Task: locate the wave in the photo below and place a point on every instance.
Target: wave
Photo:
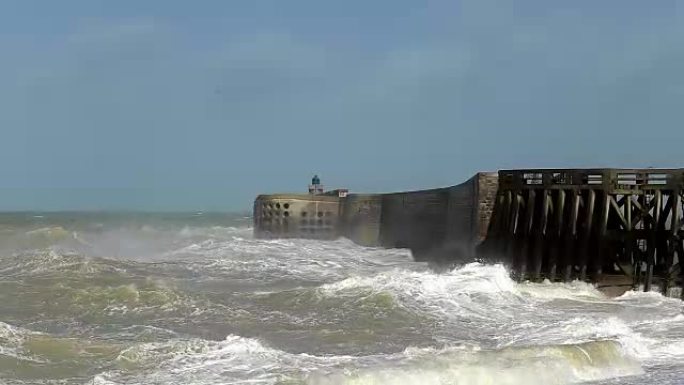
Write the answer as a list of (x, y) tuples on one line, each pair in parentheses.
[(214, 252), (72, 287), (15, 240), (202, 362), (556, 364), (291, 259), (29, 354), (471, 279), (475, 290), (326, 298), (51, 262), (481, 303), (11, 340), (105, 301), (133, 241), (238, 359)]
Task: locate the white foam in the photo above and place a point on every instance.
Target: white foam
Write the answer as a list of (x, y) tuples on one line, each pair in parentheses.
[(195, 361), (473, 278), (12, 339), (559, 364), (244, 360), (575, 290)]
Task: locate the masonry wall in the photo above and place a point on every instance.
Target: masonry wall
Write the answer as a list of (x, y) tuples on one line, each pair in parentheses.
[(487, 188), (444, 224), (461, 215), (415, 220), (360, 218), (296, 216)]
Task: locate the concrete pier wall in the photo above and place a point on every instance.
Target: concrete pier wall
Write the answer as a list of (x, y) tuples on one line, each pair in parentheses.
[(296, 216), (469, 211), (415, 220), (360, 218), (437, 224)]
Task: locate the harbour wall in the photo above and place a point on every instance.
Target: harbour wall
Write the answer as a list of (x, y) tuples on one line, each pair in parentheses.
[(436, 224), (296, 216)]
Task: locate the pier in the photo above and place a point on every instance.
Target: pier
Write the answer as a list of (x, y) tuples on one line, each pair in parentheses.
[(588, 224), (610, 226)]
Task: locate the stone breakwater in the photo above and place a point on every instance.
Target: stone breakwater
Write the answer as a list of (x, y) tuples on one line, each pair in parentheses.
[(437, 224)]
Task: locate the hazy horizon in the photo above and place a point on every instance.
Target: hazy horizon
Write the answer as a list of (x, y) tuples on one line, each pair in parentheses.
[(169, 106)]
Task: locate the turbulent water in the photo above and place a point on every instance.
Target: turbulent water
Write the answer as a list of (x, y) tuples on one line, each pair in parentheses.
[(194, 299)]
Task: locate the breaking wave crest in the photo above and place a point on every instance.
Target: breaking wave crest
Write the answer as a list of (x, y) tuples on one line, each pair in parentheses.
[(37, 355), (555, 364), (131, 241), (239, 359), (475, 290), (471, 279)]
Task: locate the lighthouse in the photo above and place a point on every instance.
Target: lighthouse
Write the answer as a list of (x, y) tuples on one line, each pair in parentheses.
[(315, 187)]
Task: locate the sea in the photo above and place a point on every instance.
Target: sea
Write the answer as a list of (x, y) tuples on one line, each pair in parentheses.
[(194, 298)]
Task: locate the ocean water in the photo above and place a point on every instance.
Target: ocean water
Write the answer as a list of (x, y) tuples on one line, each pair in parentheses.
[(194, 299)]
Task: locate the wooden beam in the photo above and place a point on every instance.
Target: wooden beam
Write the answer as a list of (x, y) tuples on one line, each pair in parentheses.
[(586, 233), (540, 231), (527, 230), (554, 249), (513, 226), (571, 236), (657, 208), (603, 227), (618, 210), (628, 213)]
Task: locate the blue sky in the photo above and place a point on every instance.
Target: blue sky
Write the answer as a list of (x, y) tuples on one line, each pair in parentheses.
[(179, 105)]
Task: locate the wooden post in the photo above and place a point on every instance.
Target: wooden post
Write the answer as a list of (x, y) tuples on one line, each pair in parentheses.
[(673, 239), (637, 258), (527, 229), (540, 231), (571, 236), (627, 234), (586, 233), (505, 220), (650, 255), (628, 212), (513, 229), (498, 222), (601, 241), (554, 250)]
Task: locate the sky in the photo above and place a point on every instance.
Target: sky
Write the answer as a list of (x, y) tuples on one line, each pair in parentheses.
[(165, 105)]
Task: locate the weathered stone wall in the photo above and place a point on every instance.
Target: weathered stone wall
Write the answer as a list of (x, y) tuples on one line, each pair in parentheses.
[(415, 220), (460, 220), (360, 218), (296, 216), (487, 188)]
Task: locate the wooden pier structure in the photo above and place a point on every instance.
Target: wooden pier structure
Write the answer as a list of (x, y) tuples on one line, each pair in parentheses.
[(590, 224)]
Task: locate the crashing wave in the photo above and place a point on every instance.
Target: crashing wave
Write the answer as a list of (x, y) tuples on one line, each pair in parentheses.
[(32, 347), (239, 359), (555, 364)]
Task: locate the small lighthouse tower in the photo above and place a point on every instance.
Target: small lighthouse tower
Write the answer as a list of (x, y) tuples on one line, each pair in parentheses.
[(315, 187)]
